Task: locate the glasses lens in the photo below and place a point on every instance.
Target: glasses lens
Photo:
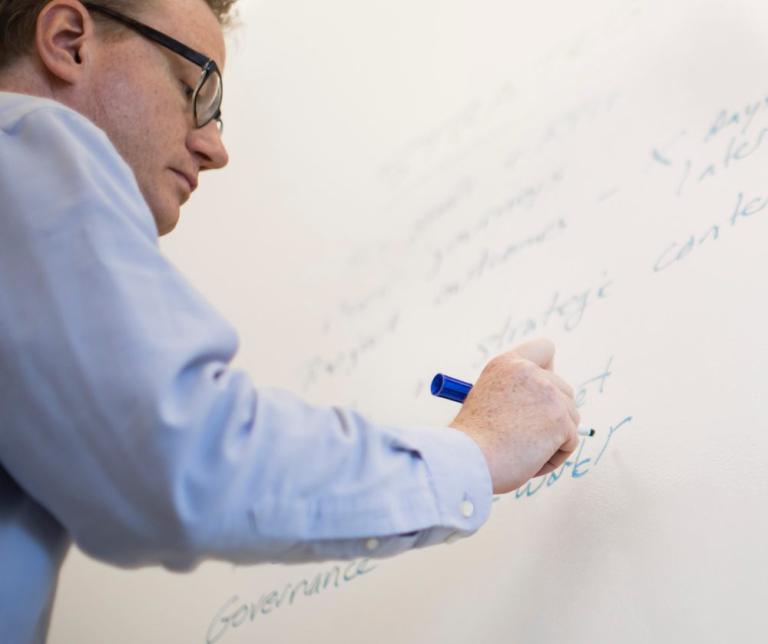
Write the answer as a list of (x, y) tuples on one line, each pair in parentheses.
[(208, 100)]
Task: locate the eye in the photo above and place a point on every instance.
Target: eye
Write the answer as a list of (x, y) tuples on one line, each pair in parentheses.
[(187, 90)]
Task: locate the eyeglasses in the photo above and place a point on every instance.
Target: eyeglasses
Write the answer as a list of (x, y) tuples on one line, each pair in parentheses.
[(207, 96)]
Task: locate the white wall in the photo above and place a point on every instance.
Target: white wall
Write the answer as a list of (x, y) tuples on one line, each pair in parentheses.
[(416, 186)]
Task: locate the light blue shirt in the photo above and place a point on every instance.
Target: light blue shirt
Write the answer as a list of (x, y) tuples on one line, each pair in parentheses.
[(123, 428)]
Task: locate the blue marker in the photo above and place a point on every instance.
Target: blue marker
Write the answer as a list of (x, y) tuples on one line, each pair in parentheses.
[(457, 390), (450, 388)]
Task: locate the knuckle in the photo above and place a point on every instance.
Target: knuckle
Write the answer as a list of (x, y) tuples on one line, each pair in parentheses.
[(513, 366), (497, 363), (524, 369), (563, 420), (559, 417), (550, 393), (552, 415)]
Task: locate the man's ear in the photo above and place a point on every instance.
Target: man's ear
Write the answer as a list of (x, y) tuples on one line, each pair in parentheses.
[(64, 34)]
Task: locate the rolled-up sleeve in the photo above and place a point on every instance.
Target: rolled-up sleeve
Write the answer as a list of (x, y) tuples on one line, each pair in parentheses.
[(121, 414)]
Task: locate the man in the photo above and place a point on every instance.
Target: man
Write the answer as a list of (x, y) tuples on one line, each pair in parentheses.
[(122, 427)]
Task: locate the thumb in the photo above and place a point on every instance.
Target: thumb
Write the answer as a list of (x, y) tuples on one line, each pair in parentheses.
[(540, 351)]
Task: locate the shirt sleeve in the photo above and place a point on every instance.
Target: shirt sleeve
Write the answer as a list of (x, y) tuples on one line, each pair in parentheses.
[(121, 415)]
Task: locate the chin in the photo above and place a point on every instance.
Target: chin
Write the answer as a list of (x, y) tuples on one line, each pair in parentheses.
[(166, 217), (165, 210), (166, 225)]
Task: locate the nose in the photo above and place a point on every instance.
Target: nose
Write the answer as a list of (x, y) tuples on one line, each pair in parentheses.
[(206, 145)]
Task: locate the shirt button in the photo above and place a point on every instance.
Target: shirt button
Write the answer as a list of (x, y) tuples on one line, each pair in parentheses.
[(467, 509), (371, 544)]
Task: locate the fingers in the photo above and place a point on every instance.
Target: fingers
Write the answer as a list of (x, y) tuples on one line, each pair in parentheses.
[(522, 401), (559, 457), (561, 384), (567, 392), (570, 444), (573, 412), (568, 447), (540, 352)]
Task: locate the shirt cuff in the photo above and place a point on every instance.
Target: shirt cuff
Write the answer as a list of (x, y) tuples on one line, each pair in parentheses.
[(461, 485), (457, 472), (446, 489)]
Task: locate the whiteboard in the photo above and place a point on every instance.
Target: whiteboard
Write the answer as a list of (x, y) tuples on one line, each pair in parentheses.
[(418, 186)]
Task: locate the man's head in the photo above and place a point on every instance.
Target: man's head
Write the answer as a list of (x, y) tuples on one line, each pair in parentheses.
[(136, 90)]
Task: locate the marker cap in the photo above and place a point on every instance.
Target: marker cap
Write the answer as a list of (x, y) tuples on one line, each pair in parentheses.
[(450, 388)]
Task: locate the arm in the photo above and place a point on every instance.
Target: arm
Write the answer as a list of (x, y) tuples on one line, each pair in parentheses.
[(122, 417)]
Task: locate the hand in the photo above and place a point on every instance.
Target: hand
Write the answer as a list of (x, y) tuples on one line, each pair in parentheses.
[(522, 415)]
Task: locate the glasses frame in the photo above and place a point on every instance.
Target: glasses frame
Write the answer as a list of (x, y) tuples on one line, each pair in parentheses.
[(207, 64)]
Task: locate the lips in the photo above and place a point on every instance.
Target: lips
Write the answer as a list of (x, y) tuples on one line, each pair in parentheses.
[(191, 179)]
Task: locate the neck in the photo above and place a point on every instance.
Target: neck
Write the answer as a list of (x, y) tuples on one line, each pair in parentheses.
[(23, 77)]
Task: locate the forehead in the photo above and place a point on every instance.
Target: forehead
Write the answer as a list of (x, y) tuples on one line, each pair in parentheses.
[(189, 21)]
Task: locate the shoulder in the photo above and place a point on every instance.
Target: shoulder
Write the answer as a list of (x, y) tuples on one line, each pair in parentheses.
[(30, 118), (48, 150)]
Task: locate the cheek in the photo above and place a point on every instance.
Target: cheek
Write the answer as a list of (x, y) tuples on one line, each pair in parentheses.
[(144, 110), (147, 128), (145, 119)]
